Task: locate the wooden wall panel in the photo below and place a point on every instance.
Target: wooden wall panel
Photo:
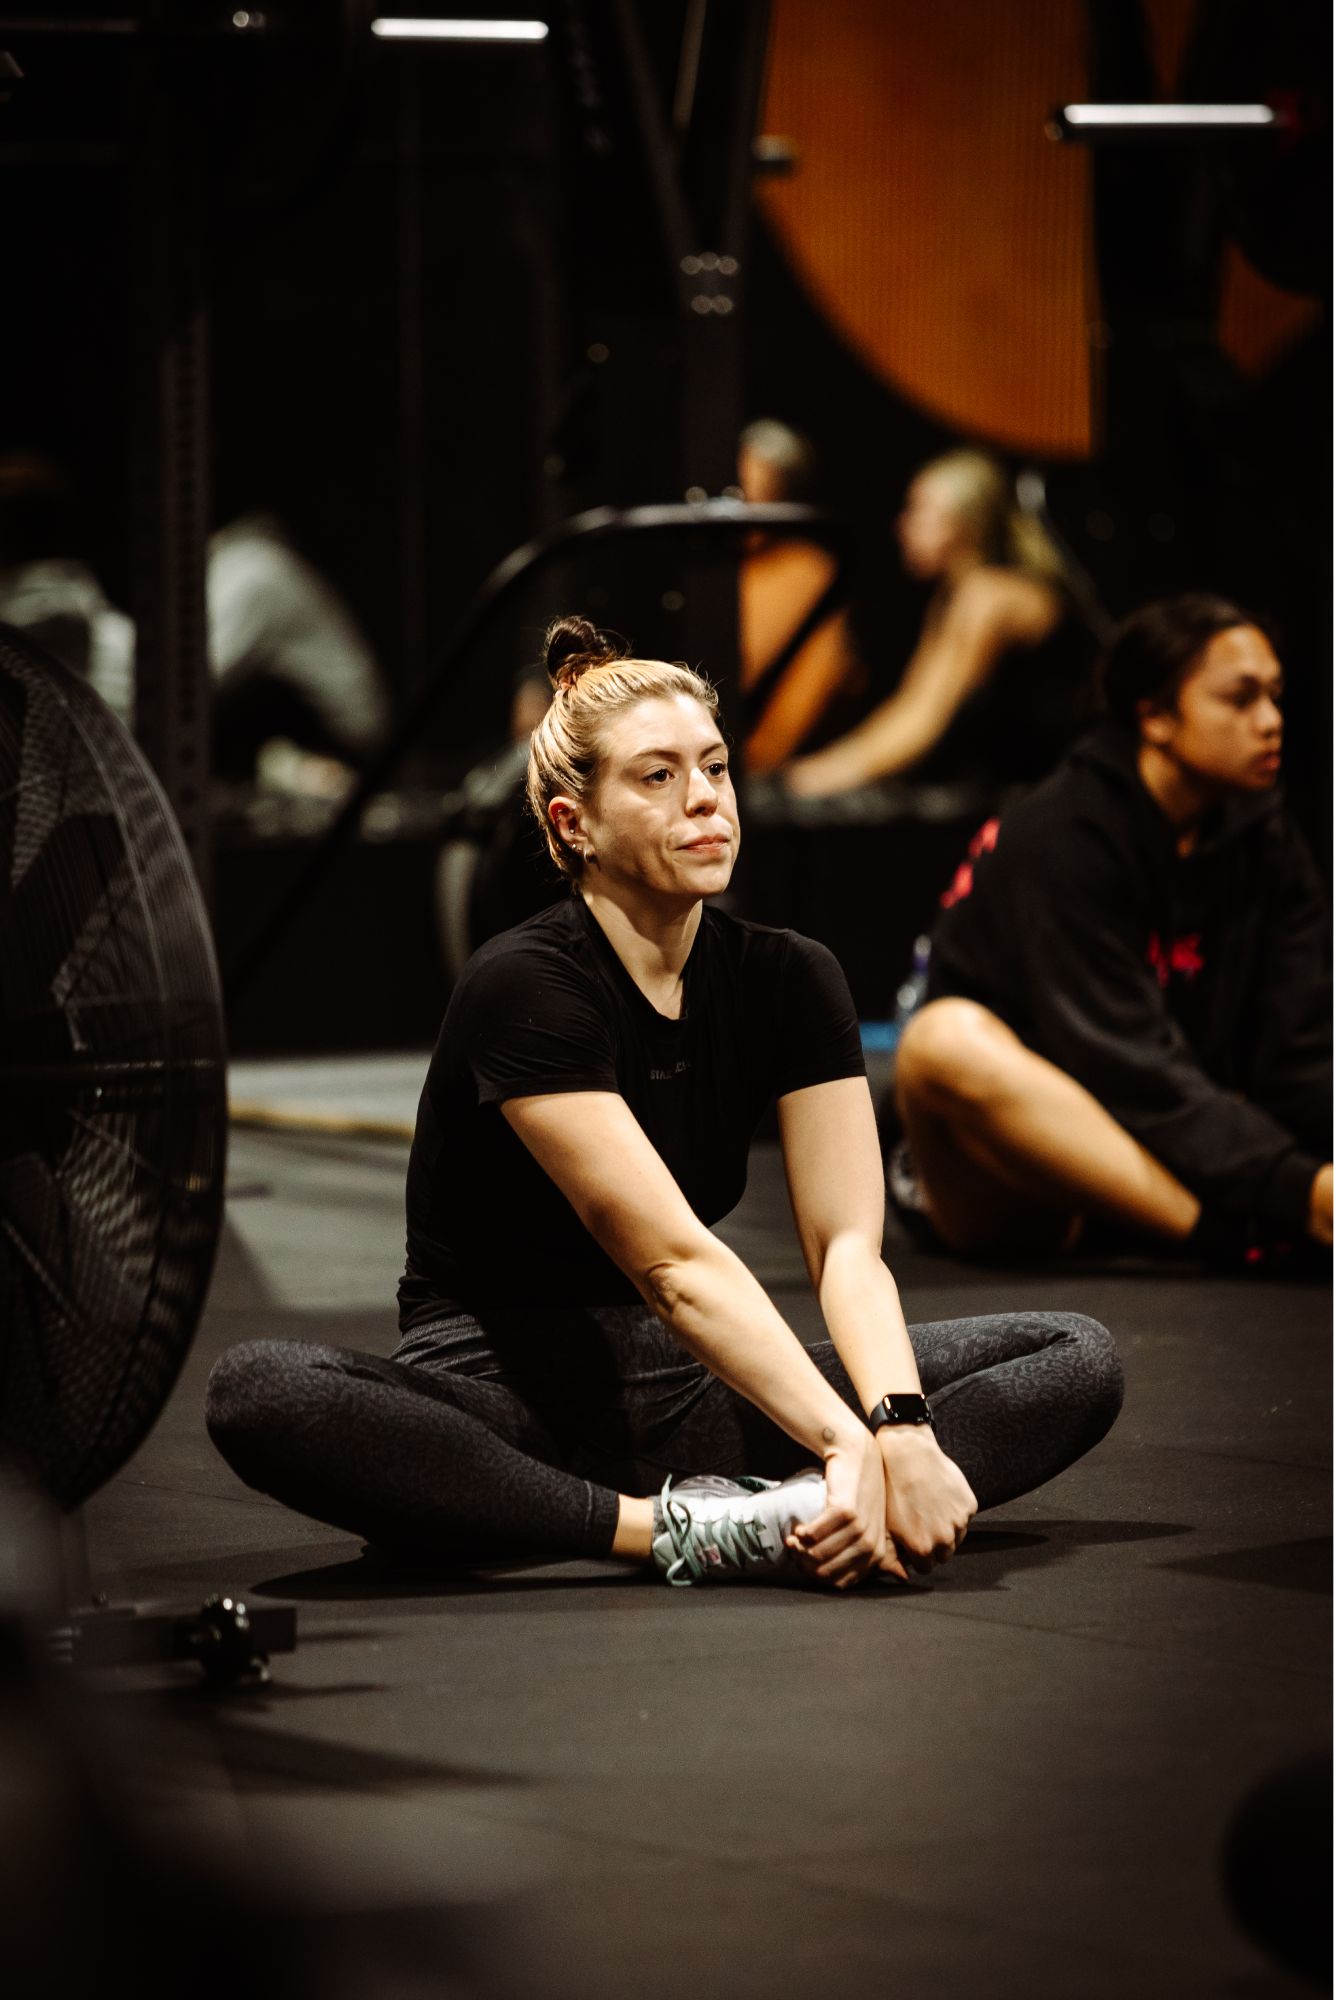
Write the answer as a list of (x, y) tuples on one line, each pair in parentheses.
[(941, 231)]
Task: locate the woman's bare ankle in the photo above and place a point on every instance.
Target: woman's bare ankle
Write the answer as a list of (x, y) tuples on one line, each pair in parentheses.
[(633, 1539)]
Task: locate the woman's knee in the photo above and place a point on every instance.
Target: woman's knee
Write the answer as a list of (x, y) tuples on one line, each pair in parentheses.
[(250, 1389), (954, 1050), (1099, 1368)]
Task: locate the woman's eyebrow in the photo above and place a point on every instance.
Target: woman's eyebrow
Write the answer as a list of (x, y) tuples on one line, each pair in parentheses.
[(667, 756)]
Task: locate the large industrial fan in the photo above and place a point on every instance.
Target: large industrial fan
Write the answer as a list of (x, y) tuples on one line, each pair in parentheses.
[(112, 1115)]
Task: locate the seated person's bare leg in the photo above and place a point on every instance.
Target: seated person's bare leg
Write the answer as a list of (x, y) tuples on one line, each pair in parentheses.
[(633, 1539), (1013, 1153)]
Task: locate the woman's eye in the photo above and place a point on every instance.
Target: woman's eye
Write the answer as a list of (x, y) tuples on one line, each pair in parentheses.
[(716, 770), (654, 776)]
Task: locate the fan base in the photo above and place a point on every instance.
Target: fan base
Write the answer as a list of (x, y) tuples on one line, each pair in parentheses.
[(229, 1642)]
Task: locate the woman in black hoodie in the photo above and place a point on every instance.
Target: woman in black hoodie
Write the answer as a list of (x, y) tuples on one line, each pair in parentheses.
[(1129, 1001)]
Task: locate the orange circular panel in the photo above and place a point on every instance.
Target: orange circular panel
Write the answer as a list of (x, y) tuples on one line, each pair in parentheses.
[(940, 229)]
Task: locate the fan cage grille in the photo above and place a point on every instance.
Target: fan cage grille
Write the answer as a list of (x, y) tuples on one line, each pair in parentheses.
[(112, 1084)]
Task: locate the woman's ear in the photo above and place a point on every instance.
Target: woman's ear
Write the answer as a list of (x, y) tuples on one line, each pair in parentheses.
[(1155, 724), (564, 815)]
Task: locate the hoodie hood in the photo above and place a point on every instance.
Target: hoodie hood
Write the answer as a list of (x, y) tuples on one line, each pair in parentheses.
[(1111, 749)]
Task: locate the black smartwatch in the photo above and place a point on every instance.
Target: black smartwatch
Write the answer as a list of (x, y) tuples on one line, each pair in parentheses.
[(912, 1409)]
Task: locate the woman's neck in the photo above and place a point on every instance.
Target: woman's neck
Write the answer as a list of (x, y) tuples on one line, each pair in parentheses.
[(961, 564), (652, 942)]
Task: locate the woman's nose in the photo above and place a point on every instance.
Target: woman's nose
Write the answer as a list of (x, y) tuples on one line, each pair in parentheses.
[(701, 795)]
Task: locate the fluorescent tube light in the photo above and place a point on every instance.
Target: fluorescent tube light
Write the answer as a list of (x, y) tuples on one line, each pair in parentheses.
[(1090, 116), (395, 30)]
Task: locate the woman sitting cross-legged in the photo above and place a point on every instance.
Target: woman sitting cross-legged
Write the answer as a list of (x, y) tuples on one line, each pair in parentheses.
[(585, 1369)]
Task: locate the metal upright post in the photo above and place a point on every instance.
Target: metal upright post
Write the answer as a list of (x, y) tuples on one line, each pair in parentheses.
[(697, 167), (169, 470), (411, 327), (717, 120)]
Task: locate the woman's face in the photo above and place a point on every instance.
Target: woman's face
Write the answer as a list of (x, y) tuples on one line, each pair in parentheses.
[(1226, 727), (930, 528), (662, 815)]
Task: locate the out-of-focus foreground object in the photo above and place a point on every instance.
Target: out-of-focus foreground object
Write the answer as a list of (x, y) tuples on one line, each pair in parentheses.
[(113, 1136)]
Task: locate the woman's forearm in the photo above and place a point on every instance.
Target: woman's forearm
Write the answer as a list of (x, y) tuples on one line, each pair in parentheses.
[(718, 1311), (928, 1502), (950, 663), (897, 736), (860, 1303)]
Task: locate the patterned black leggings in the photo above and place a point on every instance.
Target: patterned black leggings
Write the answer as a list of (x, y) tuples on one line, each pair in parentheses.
[(477, 1443)]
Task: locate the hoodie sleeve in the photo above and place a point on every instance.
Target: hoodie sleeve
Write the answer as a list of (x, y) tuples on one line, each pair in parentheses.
[(1290, 1067), (1098, 1012)]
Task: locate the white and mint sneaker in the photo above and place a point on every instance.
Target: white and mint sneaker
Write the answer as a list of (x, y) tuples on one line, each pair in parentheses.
[(713, 1530)]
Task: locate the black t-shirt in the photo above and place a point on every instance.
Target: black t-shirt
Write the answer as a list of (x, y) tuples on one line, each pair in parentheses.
[(548, 1007)]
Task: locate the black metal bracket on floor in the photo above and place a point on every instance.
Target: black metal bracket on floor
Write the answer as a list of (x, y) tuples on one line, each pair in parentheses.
[(229, 1642)]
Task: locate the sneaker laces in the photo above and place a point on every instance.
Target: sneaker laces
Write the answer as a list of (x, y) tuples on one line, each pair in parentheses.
[(732, 1544)]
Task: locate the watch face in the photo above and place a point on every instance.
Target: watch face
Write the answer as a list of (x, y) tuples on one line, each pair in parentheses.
[(909, 1408)]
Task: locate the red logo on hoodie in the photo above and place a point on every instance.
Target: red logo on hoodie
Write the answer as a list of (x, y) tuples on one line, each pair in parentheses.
[(1183, 957), (981, 843)]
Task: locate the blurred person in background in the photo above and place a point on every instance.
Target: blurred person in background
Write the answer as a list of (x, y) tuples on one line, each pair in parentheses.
[(299, 698), (298, 693), (781, 581), (1128, 1008), (999, 680), (48, 591)]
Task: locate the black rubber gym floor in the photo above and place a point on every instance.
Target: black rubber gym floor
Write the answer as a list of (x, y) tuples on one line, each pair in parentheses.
[(1013, 1782)]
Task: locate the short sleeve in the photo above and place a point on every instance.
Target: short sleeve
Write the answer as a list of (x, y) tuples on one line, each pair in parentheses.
[(819, 1040), (535, 1025)]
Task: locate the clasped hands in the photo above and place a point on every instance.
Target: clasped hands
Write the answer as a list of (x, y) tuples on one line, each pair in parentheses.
[(896, 1504)]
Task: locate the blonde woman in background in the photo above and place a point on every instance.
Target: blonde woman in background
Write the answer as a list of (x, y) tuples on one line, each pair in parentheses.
[(996, 682)]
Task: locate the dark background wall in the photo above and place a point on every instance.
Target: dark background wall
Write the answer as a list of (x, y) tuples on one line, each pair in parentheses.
[(400, 357), (1150, 327)]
